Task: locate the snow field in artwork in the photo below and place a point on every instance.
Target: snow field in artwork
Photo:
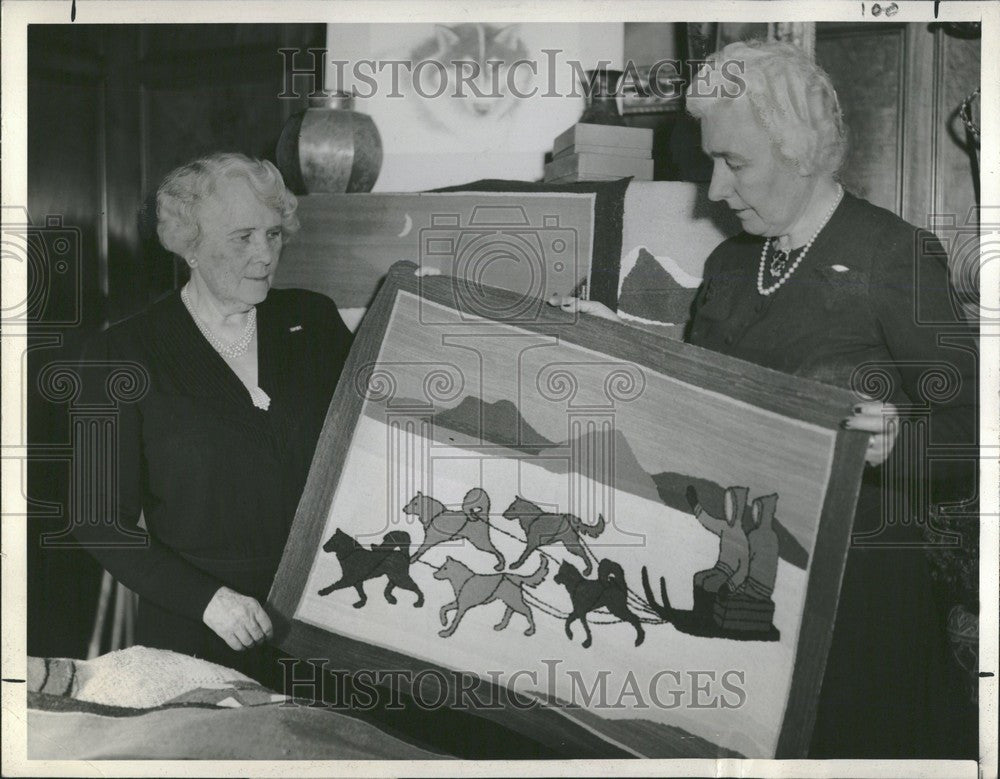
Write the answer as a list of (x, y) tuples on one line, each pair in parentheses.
[(640, 533)]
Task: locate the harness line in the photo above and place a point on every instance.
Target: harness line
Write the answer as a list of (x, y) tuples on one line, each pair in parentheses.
[(635, 600)]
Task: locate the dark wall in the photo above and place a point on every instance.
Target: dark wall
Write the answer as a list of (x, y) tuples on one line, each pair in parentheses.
[(900, 86), (111, 109)]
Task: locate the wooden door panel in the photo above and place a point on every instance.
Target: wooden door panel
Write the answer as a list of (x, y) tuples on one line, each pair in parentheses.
[(866, 67)]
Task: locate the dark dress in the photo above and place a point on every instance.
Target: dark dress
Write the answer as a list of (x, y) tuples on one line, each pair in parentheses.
[(872, 291), (217, 479)]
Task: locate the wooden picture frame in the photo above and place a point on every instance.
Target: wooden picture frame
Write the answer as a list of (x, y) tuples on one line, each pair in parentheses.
[(350, 241), (764, 397)]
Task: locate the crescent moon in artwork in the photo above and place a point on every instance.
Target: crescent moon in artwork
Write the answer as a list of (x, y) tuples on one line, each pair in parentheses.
[(407, 226)]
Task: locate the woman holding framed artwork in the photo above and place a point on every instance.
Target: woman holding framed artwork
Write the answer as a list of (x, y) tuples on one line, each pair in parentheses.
[(825, 285), (215, 454)]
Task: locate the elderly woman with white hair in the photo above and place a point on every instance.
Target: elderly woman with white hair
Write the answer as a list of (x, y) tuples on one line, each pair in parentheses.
[(215, 454), (825, 285)]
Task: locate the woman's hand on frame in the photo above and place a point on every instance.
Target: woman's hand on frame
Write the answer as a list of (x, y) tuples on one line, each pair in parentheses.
[(568, 304), (882, 421), (592, 307), (239, 620)]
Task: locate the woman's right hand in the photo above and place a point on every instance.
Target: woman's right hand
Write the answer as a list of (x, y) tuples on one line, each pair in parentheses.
[(239, 620), (592, 307)]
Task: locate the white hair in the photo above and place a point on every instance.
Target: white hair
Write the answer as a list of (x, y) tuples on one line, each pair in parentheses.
[(791, 97), (187, 187)]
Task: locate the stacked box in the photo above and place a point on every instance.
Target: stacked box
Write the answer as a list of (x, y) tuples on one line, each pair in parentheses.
[(598, 152), (741, 612)]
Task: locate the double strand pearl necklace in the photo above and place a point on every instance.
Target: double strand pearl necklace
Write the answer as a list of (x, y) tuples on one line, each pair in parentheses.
[(798, 260), (232, 349)]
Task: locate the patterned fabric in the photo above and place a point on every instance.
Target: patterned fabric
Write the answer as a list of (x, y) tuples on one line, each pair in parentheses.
[(137, 677), (142, 703), (67, 729)]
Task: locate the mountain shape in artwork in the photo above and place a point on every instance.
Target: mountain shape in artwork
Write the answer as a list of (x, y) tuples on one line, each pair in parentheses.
[(657, 293), (672, 486), (497, 423), (501, 424), (591, 453)]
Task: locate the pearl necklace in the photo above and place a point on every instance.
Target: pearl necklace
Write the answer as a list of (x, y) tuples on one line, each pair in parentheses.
[(233, 349), (798, 260)]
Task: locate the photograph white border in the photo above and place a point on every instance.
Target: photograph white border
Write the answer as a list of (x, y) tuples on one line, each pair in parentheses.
[(17, 14)]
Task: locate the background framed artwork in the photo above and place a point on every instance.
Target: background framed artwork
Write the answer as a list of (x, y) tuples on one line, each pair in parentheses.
[(534, 239), (456, 427), (432, 138), (638, 247)]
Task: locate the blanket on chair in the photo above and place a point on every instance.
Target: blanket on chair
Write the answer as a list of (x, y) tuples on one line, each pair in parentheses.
[(142, 703)]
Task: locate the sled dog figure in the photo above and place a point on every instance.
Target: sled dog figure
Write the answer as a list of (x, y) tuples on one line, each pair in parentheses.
[(358, 565), (542, 529), (441, 524), (477, 589), (607, 591)]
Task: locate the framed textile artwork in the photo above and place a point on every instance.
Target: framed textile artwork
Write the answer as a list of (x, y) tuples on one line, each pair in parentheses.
[(530, 238), (669, 230), (634, 545)]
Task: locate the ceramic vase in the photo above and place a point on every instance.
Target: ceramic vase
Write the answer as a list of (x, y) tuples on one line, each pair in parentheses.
[(330, 147)]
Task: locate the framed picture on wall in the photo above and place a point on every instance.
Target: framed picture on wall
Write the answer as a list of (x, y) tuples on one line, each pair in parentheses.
[(635, 545), (437, 130)]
